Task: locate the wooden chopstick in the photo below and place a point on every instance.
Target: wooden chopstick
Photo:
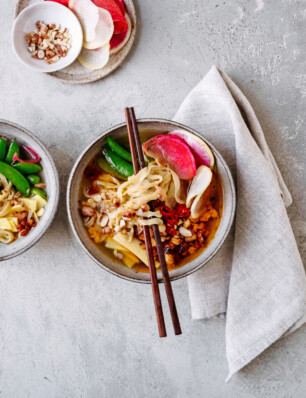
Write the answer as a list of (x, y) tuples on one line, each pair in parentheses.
[(149, 249), (132, 122)]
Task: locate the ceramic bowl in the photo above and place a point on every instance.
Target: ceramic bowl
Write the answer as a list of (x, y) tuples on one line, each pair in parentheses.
[(48, 175), (48, 12), (73, 197)]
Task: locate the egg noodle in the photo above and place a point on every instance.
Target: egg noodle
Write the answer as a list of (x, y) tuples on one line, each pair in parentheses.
[(11, 204), (120, 204)]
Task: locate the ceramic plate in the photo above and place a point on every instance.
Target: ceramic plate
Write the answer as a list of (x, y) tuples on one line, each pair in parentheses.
[(76, 73)]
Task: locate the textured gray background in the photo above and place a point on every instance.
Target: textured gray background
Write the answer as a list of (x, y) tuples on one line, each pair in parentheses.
[(69, 329)]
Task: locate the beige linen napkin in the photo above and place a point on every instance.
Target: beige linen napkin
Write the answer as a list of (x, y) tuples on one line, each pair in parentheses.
[(257, 277)]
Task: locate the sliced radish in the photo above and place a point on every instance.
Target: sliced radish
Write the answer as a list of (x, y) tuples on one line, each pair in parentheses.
[(201, 151), (103, 32), (118, 41), (173, 151), (94, 59), (121, 6), (88, 15), (114, 9), (197, 188)]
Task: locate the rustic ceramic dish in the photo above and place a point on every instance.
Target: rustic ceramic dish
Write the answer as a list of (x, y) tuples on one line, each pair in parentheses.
[(48, 175), (73, 197), (46, 11), (76, 73)]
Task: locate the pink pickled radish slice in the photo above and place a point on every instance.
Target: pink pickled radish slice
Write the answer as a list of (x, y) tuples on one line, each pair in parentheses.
[(94, 59), (174, 152), (118, 41), (103, 32)]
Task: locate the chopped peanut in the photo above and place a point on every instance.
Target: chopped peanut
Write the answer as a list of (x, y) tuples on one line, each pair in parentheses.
[(47, 43), (187, 223), (209, 213), (169, 259), (175, 240), (191, 250)]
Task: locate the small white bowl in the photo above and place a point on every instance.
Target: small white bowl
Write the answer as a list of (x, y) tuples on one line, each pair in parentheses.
[(48, 175), (49, 12)]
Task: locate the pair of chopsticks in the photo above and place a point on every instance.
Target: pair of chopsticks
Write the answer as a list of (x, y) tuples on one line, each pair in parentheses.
[(137, 155)]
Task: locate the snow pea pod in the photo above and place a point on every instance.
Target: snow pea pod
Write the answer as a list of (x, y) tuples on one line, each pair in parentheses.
[(34, 179), (28, 168), (13, 148), (17, 179), (39, 192), (2, 148), (121, 166), (104, 165), (119, 150)]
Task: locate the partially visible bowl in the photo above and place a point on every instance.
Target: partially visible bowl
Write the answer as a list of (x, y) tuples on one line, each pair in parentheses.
[(48, 175), (49, 12), (73, 197)]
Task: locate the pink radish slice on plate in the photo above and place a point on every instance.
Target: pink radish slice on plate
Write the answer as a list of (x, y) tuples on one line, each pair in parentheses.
[(201, 151), (118, 41), (174, 152), (121, 6), (103, 32), (88, 15), (120, 23), (94, 59)]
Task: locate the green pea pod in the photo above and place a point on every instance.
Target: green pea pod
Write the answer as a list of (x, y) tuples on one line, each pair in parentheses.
[(123, 153), (39, 192), (2, 148), (121, 166), (104, 165), (28, 168), (13, 148), (17, 179), (34, 179)]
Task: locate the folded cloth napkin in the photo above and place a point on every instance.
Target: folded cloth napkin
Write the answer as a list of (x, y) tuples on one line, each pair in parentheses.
[(257, 277)]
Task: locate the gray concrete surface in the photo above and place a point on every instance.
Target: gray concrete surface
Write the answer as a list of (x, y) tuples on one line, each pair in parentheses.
[(69, 329)]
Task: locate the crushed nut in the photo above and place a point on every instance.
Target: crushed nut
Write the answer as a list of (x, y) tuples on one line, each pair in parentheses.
[(175, 240), (40, 185), (187, 223), (49, 42), (41, 54), (169, 259), (190, 238), (50, 54), (185, 232), (104, 221), (88, 211), (145, 207), (106, 231)]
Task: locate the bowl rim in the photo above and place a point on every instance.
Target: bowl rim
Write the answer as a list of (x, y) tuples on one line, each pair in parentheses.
[(175, 124), (48, 156), (38, 5)]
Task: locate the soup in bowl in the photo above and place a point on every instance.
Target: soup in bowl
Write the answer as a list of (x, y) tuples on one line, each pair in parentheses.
[(186, 189)]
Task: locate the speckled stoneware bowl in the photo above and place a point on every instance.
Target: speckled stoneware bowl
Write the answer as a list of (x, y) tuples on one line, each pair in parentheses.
[(48, 175), (73, 197)]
